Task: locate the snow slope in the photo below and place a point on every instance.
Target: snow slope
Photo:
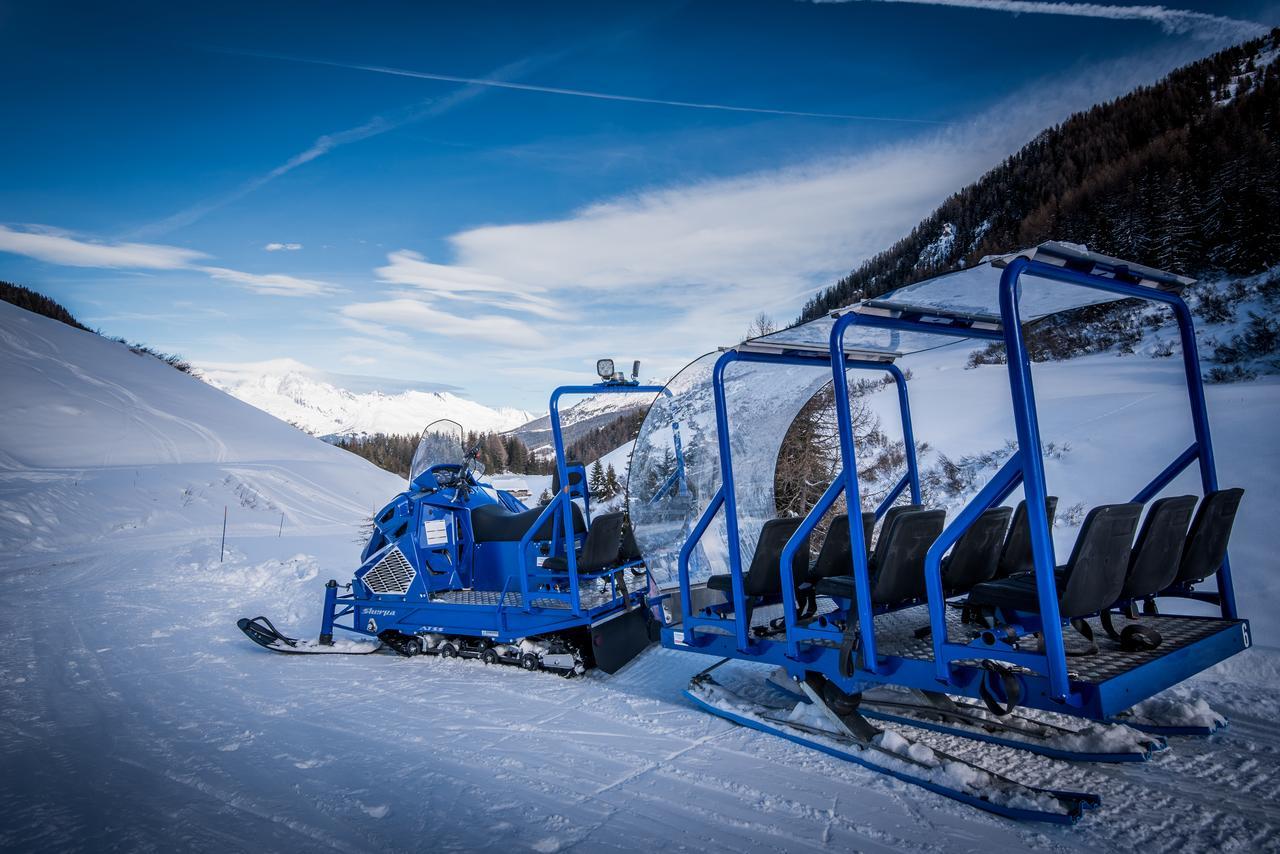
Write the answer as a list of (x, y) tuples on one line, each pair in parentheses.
[(294, 393), (133, 715)]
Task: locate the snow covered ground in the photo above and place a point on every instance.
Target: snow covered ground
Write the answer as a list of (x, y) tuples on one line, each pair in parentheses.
[(133, 714)]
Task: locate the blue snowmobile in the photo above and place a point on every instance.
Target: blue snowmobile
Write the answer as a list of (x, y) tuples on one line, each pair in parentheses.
[(457, 568)]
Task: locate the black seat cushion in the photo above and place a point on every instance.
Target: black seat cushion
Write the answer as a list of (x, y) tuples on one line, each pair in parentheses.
[(897, 566), (493, 523), (1090, 581), (840, 586), (1017, 593), (976, 555), (1158, 549), (1016, 555), (836, 555), (1206, 546), (600, 551), (763, 579)]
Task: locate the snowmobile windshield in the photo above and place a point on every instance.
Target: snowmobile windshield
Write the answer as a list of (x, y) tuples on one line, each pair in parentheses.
[(440, 444)]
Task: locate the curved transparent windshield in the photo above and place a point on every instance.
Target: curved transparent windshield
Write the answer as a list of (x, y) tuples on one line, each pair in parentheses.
[(441, 443)]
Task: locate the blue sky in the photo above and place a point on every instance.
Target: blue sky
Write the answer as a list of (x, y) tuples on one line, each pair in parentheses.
[(245, 184)]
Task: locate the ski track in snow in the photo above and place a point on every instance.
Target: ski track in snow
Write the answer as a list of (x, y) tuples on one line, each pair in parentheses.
[(134, 715)]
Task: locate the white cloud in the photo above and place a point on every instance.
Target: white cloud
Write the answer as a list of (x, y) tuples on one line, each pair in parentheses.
[(60, 247), (282, 247), (271, 284), (57, 247), (1178, 21), (456, 282), (425, 318)]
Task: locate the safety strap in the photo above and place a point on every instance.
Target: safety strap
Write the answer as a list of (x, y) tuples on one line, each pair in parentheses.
[(849, 647), (1133, 638), (1009, 685), (1087, 631)]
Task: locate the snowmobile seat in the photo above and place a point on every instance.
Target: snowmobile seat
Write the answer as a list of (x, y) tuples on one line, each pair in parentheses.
[(868, 529), (1206, 546), (976, 555), (763, 579), (600, 551), (1089, 582), (493, 523), (1016, 558), (1158, 549), (897, 563)]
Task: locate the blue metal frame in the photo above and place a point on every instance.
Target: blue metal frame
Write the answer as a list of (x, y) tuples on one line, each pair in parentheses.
[(1026, 467), (1047, 685), (725, 496), (563, 499)]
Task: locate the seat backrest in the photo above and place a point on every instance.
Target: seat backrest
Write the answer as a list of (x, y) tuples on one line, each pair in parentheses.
[(1154, 562), (764, 576), (630, 549), (890, 516), (976, 555), (1206, 546), (868, 529), (836, 556), (897, 570), (1100, 560), (575, 470), (1016, 555), (603, 539)]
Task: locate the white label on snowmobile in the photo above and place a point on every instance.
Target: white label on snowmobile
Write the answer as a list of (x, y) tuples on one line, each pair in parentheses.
[(372, 626), (435, 531), (488, 633)]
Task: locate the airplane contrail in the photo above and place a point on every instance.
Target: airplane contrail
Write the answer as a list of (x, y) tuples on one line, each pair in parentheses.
[(587, 93)]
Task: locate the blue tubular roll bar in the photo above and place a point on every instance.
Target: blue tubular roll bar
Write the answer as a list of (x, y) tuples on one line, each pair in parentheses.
[(725, 497), (566, 504), (1026, 467)]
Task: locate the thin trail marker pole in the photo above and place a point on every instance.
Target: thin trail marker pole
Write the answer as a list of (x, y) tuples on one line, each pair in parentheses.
[(223, 555), (281, 534)]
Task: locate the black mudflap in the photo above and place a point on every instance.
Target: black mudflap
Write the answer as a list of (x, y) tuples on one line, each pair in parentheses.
[(620, 639)]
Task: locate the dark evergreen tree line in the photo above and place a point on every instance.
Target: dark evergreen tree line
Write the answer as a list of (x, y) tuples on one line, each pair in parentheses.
[(1183, 175)]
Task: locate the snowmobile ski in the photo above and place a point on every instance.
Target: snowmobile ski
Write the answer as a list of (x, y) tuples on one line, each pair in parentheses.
[(847, 735), (261, 631), (943, 714)]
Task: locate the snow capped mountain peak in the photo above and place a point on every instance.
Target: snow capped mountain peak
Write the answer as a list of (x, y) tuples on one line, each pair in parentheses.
[(323, 404)]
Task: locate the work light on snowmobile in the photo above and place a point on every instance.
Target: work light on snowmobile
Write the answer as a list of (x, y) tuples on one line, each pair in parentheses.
[(604, 367)]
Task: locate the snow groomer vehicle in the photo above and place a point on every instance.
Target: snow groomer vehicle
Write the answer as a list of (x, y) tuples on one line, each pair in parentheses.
[(904, 619), (456, 568)]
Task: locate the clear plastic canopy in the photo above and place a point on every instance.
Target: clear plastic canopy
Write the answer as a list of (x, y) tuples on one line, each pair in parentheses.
[(763, 400)]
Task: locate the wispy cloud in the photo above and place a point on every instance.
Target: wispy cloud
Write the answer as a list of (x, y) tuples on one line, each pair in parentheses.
[(493, 82), (673, 271), (1179, 21), (282, 247), (426, 318), (460, 283), (61, 247), (271, 284)]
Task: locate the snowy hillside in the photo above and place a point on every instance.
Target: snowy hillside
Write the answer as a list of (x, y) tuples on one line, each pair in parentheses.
[(577, 419), (133, 714), (292, 392)]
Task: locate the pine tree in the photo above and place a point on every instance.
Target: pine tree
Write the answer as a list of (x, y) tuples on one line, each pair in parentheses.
[(611, 482), (596, 483)]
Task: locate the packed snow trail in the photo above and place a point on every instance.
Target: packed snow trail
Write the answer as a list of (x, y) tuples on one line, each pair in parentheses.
[(134, 714)]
